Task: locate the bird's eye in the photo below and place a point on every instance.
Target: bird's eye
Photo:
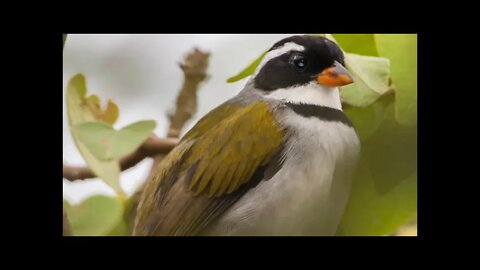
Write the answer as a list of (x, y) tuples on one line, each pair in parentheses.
[(298, 61)]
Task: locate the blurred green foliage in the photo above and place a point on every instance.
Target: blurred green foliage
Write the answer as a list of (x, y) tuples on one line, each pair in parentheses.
[(363, 44), (384, 193), (97, 215), (402, 52), (382, 105)]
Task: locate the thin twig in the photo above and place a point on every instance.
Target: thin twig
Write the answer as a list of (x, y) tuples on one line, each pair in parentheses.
[(194, 70), (151, 147)]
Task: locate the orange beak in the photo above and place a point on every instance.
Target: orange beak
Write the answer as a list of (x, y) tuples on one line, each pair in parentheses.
[(335, 76)]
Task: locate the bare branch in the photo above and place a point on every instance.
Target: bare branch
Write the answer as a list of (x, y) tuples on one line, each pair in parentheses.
[(151, 147), (194, 69)]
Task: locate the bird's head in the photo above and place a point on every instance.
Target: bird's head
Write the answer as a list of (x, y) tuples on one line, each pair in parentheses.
[(303, 69)]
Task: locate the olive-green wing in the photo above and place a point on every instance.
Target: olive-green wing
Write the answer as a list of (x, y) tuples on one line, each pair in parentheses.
[(216, 162)]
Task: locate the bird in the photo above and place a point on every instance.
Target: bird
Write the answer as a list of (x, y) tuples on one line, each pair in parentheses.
[(277, 159)]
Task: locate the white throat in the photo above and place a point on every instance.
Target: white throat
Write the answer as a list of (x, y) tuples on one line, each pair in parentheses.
[(312, 93)]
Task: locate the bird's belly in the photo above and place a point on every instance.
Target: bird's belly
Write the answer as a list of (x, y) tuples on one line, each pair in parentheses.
[(307, 196), (287, 204)]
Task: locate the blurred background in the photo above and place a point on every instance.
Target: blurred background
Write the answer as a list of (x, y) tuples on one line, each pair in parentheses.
[(141, 74)]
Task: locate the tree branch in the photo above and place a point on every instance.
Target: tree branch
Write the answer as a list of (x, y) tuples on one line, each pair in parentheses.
[(151, 147), (194, 70)]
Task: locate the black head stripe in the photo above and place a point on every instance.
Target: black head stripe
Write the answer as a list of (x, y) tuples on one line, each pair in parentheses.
[(279, 72)]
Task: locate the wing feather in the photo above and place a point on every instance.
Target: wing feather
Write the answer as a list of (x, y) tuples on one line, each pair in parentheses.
[(215, 163)]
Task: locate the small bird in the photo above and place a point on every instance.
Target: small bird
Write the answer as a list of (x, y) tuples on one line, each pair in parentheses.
[(277, 159)]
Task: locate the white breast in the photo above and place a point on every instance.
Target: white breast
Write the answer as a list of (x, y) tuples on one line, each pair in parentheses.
[(307, 196)]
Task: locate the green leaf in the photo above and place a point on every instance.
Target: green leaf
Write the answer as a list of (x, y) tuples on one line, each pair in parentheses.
[(121, 229), (78, 113), (107, 143), (367, 120), (384, 191), (96, 216), (248, 70), (392, 154), (363, 44), (371, 79), (401, 49), (368, 213)]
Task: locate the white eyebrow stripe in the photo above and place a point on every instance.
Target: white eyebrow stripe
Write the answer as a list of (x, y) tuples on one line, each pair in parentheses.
[(287, 47)]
